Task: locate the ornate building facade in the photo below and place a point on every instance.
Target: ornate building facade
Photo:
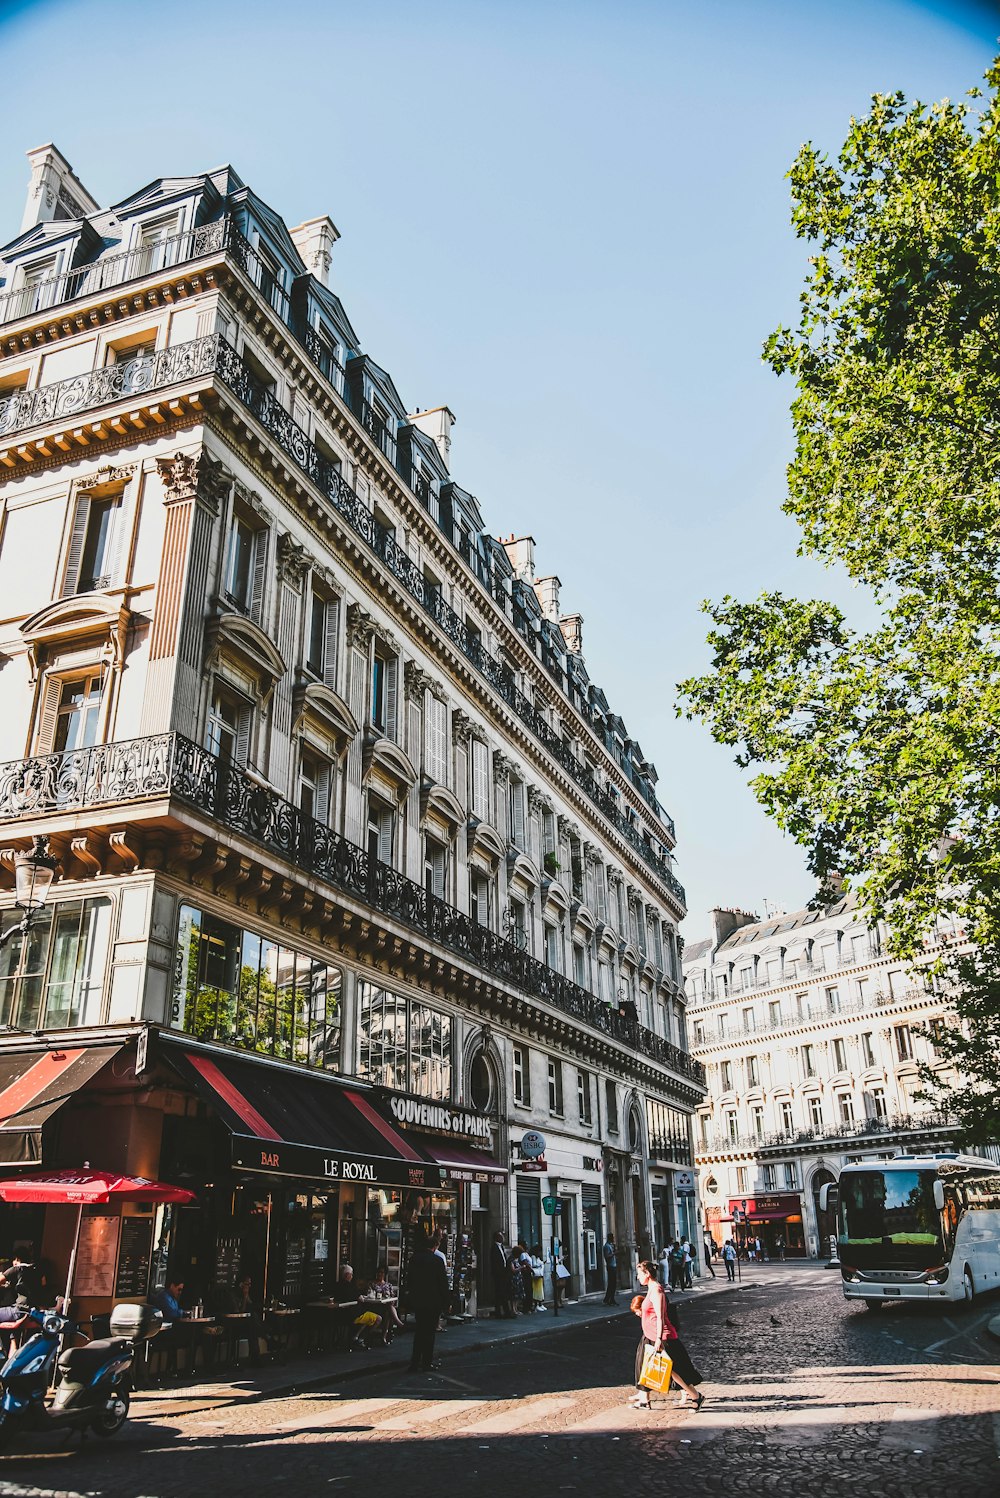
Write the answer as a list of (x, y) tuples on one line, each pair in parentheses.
[(811, 1038), (361, 877)]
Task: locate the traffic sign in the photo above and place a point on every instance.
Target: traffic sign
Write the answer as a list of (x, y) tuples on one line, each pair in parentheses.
[(551, 1205)]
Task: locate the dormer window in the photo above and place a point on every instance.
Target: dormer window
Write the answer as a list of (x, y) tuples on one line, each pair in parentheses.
[(38, 286), (157, 244)]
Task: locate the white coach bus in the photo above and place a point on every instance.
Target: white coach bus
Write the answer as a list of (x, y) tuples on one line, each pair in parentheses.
[(917, 1227)]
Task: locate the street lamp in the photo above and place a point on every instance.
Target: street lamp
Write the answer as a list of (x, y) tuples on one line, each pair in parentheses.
[(33, 876)]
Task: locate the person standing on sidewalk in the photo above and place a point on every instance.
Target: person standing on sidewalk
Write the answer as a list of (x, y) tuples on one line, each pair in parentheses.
[(427, 1295), (708, 1258), (501, 1278), (729, 1259), (611, 1270)]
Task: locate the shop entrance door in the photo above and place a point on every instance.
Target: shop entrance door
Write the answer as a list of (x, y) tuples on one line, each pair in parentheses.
[(529, 1214), (593, 1239)]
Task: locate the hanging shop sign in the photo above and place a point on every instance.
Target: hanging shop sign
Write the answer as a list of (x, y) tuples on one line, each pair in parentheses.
[(332, 1166), (532, 1144), (440, 1118), (540, 1165), (684, 1183)]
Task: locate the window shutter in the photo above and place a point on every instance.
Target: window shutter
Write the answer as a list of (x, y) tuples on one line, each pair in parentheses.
[(391, 675), (243, 737), (78, 536), (259, 576), (437, 734), (330, 642), (480, 779), (48, 715), (385, 837), (517, 814), (322, 812), (116, 543)]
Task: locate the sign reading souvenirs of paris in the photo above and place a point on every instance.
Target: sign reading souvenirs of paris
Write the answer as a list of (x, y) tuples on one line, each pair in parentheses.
[(440, 1118)]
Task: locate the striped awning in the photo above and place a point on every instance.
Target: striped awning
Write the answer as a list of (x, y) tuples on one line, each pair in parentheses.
[(33, 1085)]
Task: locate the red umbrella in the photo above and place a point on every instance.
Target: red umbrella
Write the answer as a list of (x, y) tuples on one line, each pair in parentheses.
[(83, 1187)]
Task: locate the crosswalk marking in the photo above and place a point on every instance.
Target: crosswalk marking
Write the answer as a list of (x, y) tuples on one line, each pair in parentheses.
[(508, 1420), (341, 1412), (431, 1412)]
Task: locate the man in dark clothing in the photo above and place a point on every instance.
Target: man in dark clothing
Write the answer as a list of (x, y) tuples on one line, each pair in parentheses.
[(25, 1279), (427, 1295), (502, 1303), (611, 1270)]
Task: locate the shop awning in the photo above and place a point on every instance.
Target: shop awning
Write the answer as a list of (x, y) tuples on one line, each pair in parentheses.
[(33, 1085), (291, 1124), (461, 1164)]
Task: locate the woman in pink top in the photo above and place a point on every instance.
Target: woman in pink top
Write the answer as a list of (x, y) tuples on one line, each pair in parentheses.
[(657, 1333)]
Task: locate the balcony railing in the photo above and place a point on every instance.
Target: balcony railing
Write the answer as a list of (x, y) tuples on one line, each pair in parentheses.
[(869, 1128), (169, 765)]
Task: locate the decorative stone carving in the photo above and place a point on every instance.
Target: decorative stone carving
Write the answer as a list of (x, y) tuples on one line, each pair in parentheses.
[(415, 682), (537, 799), (186, 475), (293, 560), (501, 768), (251, 501), (214, 480), (360, 626), (461, 727), (108, 478)]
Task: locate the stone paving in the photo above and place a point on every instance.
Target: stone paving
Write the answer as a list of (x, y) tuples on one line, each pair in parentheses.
[(805, 1395)]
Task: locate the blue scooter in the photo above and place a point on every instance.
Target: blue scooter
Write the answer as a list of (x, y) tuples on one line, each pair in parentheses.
[(93, 1383)]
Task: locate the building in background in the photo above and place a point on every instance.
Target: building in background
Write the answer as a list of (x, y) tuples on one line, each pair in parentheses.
[(811, 1038), (361, 877)]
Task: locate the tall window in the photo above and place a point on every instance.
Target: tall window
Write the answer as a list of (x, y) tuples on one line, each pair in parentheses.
[(235, 986), (78, 715), (96, 543), (832, 1000), (227, 732), (584, 1098), (753, 1072), (867, 1049), (555, 1087), (480, 902), (839, 1054), (611, 1103), (436, 739), (480, 775), (522, 1076), (846, 1105), (38, 286), (757, 1120), (726, 1070), (314, 787), (742, 1178), (815, 1113), (383, 700), (749, 1023), (245, 561), (516, 814), (786, 1118), (768, 1177), (774, 1012), (381, 826), (808, 1059), (732, 1125), (790, 1181), (435, 867), (157, 244), (904, 1042), (876, 1103), (580, 974), (321, 643), (403, 1043), (54, 977), (553, 947)]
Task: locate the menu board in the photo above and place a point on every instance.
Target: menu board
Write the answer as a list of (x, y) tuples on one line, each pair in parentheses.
[(96, 1255), (228, 1258), (133, 1256)]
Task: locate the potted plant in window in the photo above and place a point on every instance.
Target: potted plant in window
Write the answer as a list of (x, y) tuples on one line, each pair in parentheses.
[(550, 864)]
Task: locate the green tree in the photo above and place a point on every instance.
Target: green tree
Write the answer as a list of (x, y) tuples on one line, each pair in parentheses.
[(876, 747)]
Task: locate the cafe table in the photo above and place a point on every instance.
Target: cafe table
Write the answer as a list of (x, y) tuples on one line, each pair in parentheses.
[(327, 1321), (280, 1323)]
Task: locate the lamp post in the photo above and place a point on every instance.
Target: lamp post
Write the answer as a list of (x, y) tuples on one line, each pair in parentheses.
[(33, 875)]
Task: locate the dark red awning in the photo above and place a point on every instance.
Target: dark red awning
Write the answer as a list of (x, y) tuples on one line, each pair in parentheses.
[(33, 1085)]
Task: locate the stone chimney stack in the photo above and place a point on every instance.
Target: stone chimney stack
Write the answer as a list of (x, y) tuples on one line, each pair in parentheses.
[(725, 922), (547, 593), (55, 191), (314, 241), (521, 555), (572, 632), (436, 424)]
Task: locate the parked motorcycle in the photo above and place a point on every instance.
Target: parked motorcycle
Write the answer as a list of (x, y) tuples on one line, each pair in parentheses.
[(93, 1383)]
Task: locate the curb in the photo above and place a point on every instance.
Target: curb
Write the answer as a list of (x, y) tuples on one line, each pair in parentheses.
[(210, 1401)]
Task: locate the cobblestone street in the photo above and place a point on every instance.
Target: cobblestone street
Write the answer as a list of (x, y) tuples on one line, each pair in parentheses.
[(804, 1395)]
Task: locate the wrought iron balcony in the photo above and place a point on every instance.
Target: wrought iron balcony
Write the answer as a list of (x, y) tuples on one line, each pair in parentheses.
[(171, 766), (869, 1128)]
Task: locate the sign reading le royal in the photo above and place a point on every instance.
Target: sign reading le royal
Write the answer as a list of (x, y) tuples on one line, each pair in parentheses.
[(440, 1118)]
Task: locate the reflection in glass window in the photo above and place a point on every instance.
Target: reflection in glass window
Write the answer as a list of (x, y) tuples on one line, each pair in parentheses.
[(244, 989), (56, 981), (404, 1044)]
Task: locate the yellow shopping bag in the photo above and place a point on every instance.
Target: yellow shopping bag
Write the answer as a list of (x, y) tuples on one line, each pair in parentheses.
[(656, 1370)]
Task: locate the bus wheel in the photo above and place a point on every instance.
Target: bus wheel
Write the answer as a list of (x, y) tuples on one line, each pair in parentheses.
[(968, 1287)]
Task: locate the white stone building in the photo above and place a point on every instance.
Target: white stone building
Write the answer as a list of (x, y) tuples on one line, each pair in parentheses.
[(330, 789), (811, 1038)]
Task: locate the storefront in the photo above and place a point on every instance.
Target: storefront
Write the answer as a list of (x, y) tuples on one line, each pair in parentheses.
[(776, 1219)]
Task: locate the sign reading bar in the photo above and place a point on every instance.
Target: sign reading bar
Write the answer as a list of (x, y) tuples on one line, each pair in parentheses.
[(440, 1118), (275, 1157)]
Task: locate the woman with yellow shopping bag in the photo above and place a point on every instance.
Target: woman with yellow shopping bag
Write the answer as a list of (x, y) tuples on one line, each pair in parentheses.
[(654, 1370)]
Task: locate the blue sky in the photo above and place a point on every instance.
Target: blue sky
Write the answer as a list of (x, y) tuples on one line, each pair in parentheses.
[(569, 222)]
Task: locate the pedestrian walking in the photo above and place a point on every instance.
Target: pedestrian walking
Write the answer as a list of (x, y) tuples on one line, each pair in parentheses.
[(688, 1252), (611, 1270), (779, 1248), (729, 1259), (524, 1265), (708, 1258), (516, 1281), (676, 1265), (500, 1275), (658, 1334), (538, 1279), (427, 1295)]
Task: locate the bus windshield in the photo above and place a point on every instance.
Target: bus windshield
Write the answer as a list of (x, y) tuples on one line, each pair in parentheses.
[(888, 1217)]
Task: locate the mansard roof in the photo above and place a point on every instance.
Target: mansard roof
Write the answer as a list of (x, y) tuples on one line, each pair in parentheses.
[(245, 197)]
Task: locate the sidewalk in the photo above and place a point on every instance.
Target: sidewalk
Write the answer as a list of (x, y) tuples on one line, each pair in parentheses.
[(241, 1386)]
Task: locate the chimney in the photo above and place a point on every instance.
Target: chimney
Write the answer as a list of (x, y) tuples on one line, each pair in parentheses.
[(547, 593), (436, 424), (314, 241), (521, 555), (725, 922), (572, 632), (55, 191)]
